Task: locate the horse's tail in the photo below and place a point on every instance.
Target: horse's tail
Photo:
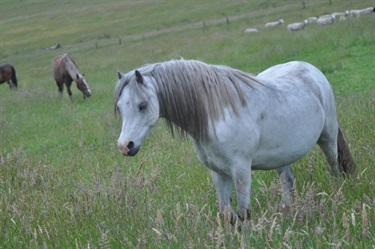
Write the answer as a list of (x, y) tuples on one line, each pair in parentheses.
[(345, 159), (13, 77)]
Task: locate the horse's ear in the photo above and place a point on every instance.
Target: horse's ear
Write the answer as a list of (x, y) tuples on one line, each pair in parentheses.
[(119, 75), (138, 77)]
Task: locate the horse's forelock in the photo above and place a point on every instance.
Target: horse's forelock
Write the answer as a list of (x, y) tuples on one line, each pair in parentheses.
[(125, 81)]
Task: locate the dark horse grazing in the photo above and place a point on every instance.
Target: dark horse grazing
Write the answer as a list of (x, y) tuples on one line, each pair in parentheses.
[(8, 75), (65, 70)]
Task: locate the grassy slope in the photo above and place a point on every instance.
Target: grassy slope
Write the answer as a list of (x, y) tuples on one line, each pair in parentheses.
[(62, 180)]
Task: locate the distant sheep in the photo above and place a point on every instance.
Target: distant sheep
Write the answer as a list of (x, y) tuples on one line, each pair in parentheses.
[(326, 20), (340, 14), (274, 24), (311, 19), (361, 12), (296, 26), (250, 30)]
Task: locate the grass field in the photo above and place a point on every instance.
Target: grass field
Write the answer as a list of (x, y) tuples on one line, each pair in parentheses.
[(63, 183)]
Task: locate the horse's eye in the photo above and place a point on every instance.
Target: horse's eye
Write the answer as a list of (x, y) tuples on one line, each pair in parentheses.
[(142, 106)]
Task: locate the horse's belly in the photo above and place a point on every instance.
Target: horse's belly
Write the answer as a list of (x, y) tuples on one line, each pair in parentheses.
[(267, 159), (285, 142)]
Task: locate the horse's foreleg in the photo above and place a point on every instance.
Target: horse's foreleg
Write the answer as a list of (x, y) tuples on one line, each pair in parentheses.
[(242, 182), (223, 185), (287, 178)]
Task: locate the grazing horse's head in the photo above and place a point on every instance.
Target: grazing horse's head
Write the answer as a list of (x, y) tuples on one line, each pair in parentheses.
[(83, 86), (137, 103)]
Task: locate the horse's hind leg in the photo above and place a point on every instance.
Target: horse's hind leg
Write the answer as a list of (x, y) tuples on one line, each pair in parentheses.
[(286, 178), (10, 84), (14, 78), (328, 143), (60, 86), (14, 82)]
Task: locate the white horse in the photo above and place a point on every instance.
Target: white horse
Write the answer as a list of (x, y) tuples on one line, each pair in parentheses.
[(239, 122)]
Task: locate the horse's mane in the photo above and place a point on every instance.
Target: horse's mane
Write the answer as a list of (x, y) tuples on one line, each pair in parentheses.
[(70, 66), (192, 93)]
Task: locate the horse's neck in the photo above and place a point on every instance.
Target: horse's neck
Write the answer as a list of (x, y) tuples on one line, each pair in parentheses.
[(182, 122)]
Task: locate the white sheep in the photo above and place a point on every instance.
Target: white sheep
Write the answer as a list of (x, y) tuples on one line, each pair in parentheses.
[(274, 24), (250, 30), (296, 26), (326, 20), (340, 14), (311, 19), (361, 12)]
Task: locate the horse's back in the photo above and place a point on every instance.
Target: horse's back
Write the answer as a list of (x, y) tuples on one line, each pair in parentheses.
[(299, 76), (299, 82), (59, 68), (6, 68), (7, 72), (297, 71)]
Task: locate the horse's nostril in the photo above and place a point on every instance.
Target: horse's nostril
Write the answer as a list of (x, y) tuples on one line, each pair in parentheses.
[(130, 145)]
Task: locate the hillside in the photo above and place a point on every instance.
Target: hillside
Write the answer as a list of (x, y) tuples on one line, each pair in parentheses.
[(63, 182)]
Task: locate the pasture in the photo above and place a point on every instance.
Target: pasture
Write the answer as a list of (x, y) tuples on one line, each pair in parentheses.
[(63, 182)]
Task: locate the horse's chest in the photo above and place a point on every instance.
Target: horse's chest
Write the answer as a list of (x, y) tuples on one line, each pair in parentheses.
[(213, 158)]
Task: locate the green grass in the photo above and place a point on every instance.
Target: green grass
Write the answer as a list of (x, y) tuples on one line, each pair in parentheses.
[(63, 182)]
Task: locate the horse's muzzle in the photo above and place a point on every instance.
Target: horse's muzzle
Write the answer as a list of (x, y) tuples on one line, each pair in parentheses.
[(129, 149)]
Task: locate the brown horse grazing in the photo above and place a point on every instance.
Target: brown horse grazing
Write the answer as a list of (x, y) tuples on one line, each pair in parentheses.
[(65, 70), (8, 75)]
